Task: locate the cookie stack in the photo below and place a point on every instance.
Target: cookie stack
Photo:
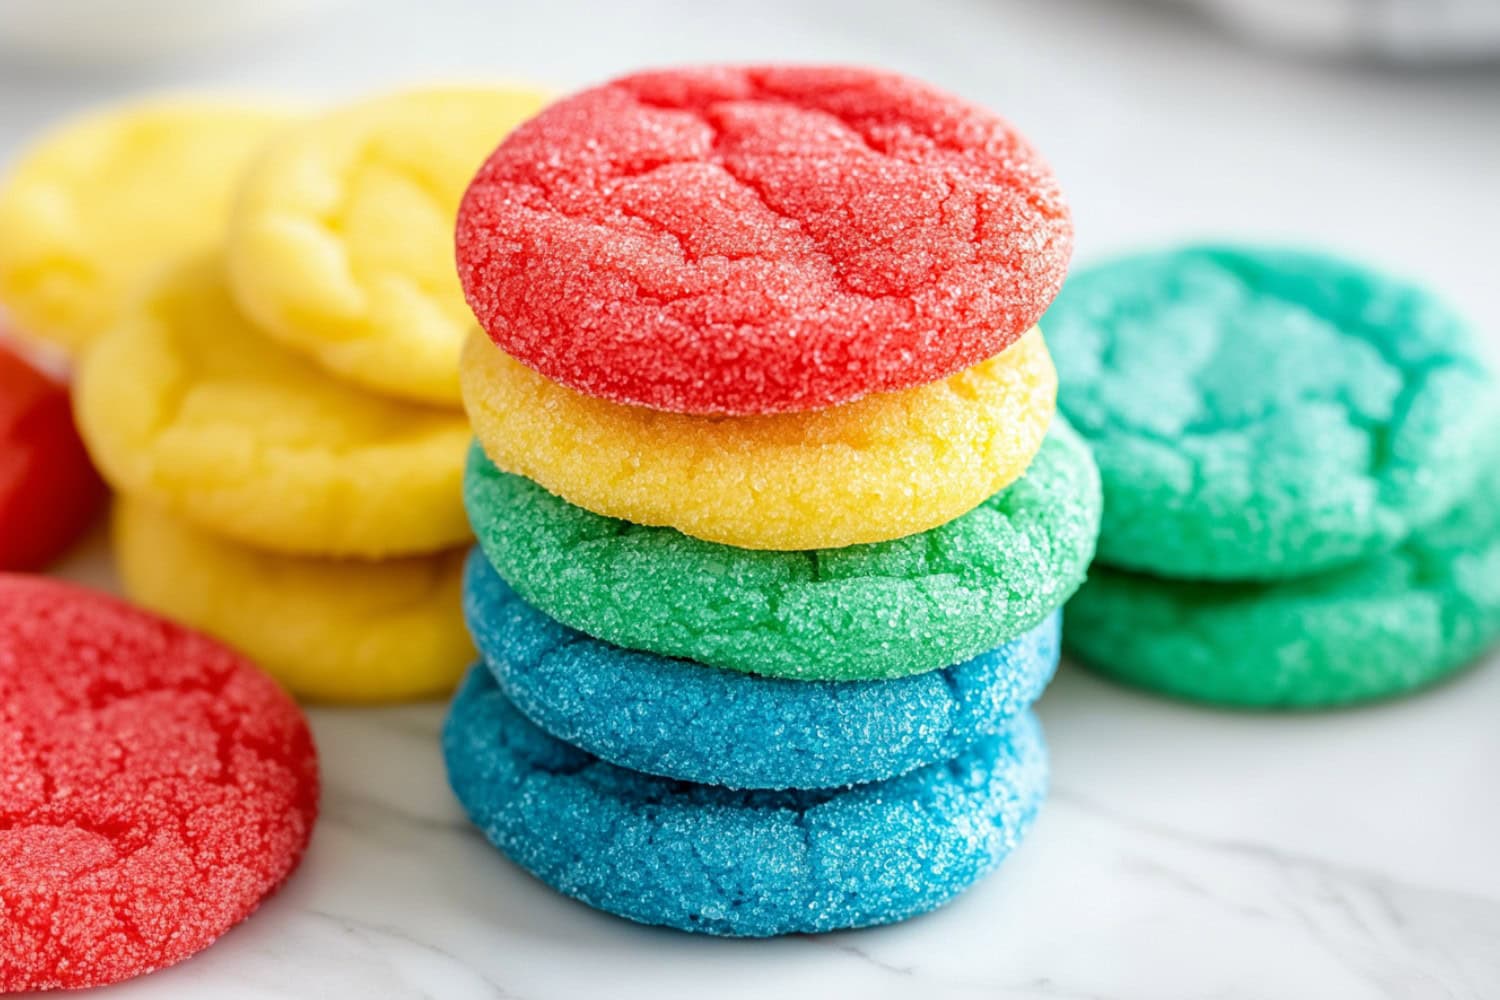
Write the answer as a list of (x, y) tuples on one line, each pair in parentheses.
[(1300, 477), (268, 337), (774, 518)]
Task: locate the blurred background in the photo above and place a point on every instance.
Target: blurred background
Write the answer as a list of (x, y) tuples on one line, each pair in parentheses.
[(1371, 127)]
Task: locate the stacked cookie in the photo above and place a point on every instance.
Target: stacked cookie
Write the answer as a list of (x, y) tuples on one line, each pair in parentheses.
[(268, 338), (1300, 477), (774, 519)]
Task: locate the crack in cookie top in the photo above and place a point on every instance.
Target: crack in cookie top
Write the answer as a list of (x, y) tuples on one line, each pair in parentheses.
[(752, 240), (156, 788)]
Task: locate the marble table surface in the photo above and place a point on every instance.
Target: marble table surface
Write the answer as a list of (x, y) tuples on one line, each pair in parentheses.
[(1185, 853)]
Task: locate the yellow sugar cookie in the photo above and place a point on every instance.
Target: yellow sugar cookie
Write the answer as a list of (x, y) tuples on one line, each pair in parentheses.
[(97, 205), (878, 468), (189, 407), (341, 245), (328, 629)]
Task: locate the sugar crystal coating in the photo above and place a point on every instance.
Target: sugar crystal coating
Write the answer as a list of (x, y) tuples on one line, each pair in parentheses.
[(683, 720), (760, 239), (885, 609), (741, 863), (340, 244), (878, 468), (96, 206), (1261, 414), (154, 788), (1378, 628), (340, 630), (49, 491), (189, 407)]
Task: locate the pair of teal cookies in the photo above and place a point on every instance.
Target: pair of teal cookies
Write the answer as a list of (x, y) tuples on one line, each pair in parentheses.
[(754, 742), (1300, 473)]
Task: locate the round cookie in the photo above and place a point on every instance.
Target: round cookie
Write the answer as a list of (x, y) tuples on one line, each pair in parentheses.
[(1262, 414), (868, 471), (741, 863), (157, 787), (344, 630), (49, 491), (186, 406), (341, 243), (1379, 628), (99, 204), (683, 720), (741, 240), (864, 612)]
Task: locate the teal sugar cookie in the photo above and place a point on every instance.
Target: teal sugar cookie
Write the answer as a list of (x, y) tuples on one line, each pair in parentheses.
[(1378, 628), (1261, 414), (865, 612)]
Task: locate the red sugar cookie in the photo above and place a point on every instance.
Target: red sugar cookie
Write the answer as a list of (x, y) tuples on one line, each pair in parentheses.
[(154, 788), (49, 491), (754, 240)]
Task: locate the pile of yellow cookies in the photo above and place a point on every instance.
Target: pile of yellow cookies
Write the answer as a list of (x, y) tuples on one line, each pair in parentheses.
[(266, 326)]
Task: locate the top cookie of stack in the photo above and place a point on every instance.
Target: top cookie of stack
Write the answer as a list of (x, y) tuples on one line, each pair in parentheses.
[(760, 241)]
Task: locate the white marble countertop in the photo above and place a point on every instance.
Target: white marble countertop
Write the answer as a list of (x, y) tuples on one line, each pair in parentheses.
[(1185, 853)]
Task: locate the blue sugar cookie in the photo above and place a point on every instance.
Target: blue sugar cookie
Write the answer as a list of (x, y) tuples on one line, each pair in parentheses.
[(1263, 414), (864, 612), (683, 720), (750, 864), (1386, 625)]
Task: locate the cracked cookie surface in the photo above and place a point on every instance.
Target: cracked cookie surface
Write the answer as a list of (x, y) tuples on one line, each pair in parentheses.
[(684, 720), (864, 612), (336, 630), (189, 407), (1378, 628), (760, 239), (739, 863), (156, 788), (1259, 413), (341, 242), (97, 206), (878, 468)]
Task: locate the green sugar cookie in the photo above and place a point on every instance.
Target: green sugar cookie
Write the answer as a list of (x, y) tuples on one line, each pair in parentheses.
[(1383, 626), (1260, 414), (864, 612)]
